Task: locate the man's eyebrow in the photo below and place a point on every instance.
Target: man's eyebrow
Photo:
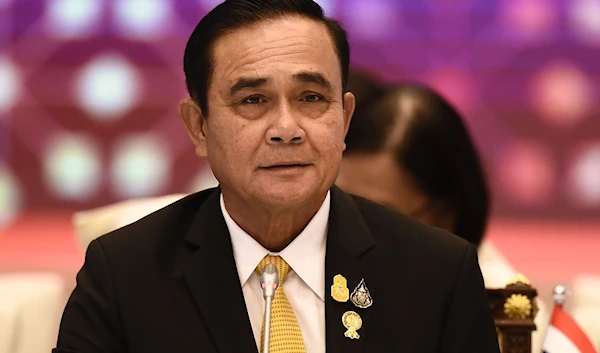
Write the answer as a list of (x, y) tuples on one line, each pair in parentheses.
[(245, 82), (314, 77)]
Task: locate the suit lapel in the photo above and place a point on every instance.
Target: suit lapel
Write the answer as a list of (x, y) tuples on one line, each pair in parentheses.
[(348, 253), (212, 277)]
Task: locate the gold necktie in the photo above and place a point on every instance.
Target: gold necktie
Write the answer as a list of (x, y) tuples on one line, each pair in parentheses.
[(286, 336)]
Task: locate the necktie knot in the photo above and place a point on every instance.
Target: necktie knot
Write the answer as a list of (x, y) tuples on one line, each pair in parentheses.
[(279, 262)]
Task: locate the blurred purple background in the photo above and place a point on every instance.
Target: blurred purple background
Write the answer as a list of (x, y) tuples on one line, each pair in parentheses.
[(89, 90)]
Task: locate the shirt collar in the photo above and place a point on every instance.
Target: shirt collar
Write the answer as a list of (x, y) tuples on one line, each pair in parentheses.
[(305, 254)]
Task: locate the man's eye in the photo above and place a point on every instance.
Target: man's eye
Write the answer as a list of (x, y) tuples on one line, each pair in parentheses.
[(312, 98), (253, 100)]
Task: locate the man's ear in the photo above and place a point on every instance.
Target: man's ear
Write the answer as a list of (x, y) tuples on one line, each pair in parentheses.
[(194, 122), (349, 106)]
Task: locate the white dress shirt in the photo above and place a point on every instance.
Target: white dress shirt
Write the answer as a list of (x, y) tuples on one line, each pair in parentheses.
[(304, 286)]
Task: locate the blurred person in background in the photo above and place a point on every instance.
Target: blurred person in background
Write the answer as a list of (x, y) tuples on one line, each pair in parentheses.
[(411, 152), (409, 149)]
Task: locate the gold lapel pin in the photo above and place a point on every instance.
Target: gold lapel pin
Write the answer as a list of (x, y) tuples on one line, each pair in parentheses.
[(352, 322), (339, 289), (361, 297)]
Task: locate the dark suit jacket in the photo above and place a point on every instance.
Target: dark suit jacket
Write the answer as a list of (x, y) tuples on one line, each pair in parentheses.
[(168, 283)]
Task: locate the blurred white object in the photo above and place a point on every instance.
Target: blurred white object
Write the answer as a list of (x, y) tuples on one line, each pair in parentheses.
[(70, 19), (10, 84), (108, 86), (8, 325), (91, 224), (12, 196), (141, 165), (30, 309), (497, 273), (142, 19), (496, 269), (585, 305), (72, 165)]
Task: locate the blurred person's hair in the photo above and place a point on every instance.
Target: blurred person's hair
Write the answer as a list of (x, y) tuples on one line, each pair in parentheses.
[(429, 139), (234, 14), (367, 89)]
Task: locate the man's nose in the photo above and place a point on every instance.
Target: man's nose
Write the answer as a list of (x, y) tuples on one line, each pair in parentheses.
[(285, 129)]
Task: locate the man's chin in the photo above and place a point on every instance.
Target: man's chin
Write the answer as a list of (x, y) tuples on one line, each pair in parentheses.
[(284, 197)]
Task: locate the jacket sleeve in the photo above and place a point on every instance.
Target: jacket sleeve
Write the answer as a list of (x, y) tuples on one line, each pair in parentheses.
[(469, 327), (90, 322)]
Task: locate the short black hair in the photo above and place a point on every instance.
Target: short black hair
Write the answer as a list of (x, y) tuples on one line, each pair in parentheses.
[(435, 148), (234, 14)]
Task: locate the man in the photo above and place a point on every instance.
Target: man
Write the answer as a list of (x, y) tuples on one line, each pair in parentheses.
[(268, 110)]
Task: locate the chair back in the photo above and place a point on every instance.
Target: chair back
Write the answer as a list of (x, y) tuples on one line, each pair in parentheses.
[(514, 308), (30, 308), (91, 224)]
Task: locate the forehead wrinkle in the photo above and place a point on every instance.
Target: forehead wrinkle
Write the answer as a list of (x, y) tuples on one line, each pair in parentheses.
[(249, 68), (279, 43), (256, 55)]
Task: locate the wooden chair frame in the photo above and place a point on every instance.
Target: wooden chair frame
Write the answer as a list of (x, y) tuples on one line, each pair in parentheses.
[(514, 309)]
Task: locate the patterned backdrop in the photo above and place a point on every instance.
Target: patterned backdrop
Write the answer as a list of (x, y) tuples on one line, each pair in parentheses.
[(89, 89)]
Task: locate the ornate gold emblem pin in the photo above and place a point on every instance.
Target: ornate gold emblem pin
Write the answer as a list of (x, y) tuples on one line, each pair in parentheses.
[(361, 297), (339, 289), (352, 322)]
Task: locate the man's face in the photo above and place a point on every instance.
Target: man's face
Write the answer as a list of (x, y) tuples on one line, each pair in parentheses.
[(277, 116)]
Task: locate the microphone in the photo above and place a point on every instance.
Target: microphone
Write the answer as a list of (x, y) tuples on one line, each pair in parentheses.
[(269, 280)]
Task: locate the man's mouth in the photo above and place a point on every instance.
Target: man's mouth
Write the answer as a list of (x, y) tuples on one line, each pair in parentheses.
[(286, 165)]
